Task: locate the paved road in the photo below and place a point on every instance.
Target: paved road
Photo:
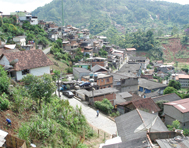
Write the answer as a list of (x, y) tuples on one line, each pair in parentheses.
[(46, 51), (100, 122)]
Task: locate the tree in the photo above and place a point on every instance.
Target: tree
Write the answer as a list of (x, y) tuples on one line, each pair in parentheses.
[(161, 106), (4, 81), (39, 87), (175, 125), (169, 90), (174, 84)]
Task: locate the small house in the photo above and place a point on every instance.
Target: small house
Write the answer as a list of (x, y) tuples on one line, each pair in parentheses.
[(177, 110), (148, 86), (26, 62), (21, 40), (80, 72)]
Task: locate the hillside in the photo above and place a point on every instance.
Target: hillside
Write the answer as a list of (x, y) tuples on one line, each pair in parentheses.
[(174, 50), (129, 14)]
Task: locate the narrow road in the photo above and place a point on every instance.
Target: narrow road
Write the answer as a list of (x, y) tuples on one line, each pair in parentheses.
[(47, 50), (100, 122)]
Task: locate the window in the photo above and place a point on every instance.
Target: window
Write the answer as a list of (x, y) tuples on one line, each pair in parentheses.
[(25, 71), (101, 80), (107, 80)]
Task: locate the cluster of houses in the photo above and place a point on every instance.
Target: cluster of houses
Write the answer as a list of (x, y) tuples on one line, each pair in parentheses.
[(129, 86)]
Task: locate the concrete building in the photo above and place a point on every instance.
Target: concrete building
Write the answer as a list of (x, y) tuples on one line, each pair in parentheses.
[(133, 69), (102, 80), (183, 79), (26, 62), (140, 60), (98, 61), (21, 40), (99, 69), (80, 72), (83, 65), (148, 86), (98, 95), (177, 110), (125, 83)]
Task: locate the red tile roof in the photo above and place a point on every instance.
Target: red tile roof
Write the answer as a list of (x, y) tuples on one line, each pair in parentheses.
[(147, 104), (144, 103), (28, 59), (181, 105)]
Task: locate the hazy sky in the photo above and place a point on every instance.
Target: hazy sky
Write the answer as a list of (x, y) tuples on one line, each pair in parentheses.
[(7, 6)]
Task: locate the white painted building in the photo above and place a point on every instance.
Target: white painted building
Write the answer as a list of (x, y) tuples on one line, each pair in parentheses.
[(26, 62), (21, 40), (34, 20)]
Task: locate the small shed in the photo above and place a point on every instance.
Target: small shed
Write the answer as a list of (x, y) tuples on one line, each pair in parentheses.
[(9, 141), (80, 72)]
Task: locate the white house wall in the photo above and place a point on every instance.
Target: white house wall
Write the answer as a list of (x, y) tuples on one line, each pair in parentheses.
[(4, 61), (36, 72), (19, 75), (40, 71)]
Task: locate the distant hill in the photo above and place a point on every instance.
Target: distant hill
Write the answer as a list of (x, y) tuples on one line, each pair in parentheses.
[(129, 14)]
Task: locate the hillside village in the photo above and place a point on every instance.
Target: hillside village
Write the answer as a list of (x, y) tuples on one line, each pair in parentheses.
[(140, 100)]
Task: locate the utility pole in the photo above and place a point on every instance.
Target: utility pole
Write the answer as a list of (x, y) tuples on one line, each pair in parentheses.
[(62, 13), (62, 19)]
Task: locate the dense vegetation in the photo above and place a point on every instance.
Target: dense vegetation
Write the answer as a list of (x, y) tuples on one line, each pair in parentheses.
[(132, 14), (9, 28), (54, 123)]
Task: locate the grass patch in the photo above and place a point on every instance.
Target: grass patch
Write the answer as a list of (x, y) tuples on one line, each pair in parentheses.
[(58, 65)]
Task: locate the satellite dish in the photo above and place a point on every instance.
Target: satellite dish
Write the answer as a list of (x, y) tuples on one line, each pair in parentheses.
[(13, 62), (146, 126)]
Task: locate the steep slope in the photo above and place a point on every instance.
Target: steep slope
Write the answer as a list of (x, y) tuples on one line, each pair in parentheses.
[(175, 51), (132, 14)]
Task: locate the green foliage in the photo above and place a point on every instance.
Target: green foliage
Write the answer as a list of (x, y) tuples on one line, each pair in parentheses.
[(115, 114), (39, 87), (4, 81), (169, 90), (4, 103), (175, 125), (79, 55), (98, 25), (186, 132), (57, 124), (132, 14), (21, 100), (69, 70), (174, 84), (161, 106), (103, 53), (104, 105)]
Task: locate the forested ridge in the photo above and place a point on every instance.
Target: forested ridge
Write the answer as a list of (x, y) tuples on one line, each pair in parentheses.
[(131, 14)]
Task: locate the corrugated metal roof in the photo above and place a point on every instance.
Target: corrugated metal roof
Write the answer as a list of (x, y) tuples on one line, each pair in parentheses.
[(129, 122), (181, 105), (167, 97), (170, 143)]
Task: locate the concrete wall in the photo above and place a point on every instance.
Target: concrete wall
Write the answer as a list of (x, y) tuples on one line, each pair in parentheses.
[(34, 21), (133, 88), (78, 75), (40, 71), (36, 72), (4, 61), (172, 114)]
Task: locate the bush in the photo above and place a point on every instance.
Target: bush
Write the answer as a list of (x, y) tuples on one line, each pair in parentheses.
[(104, 106), (4, 103), (186, 132)]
